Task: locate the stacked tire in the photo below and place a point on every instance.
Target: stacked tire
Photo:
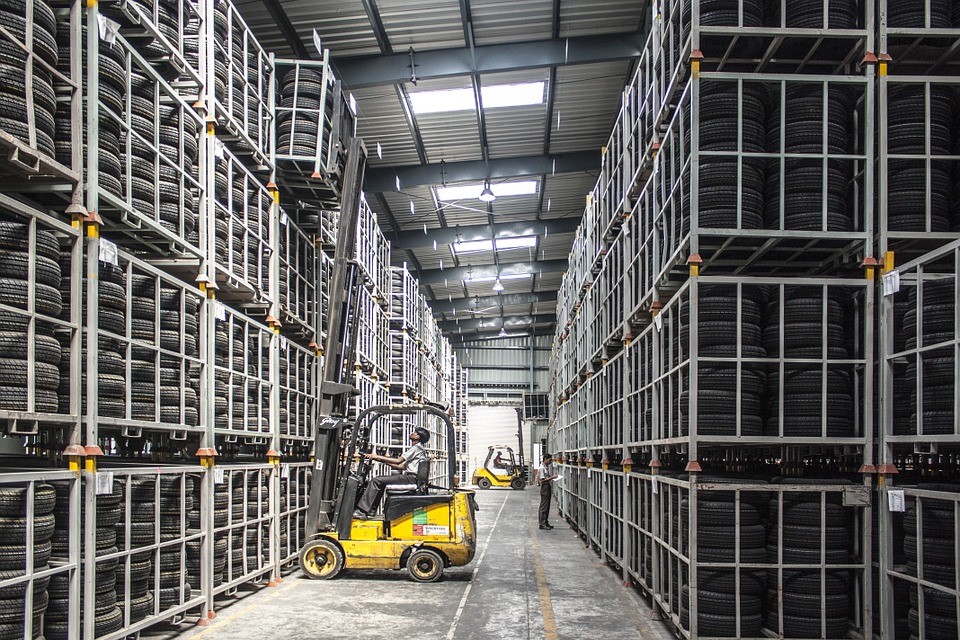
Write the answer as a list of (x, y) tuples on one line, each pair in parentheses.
[(221, 519), (112, 90), (235, 361), (907, 14), (808, 14), (249, 544), (14, 101), (805, 521), (176, 509), (937, 542), (907, 179), (108, 617), (716, 542), (142, 520), (717, 328), (14, 553), (297, 130), (15, 270), (938, 380), (803, 389), (112, 320), (719, 197), (803, 180)]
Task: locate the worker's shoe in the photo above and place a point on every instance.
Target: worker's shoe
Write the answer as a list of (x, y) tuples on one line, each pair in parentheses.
[(546, 526), (360, 515)]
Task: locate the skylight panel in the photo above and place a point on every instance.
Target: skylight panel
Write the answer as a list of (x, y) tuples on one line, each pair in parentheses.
[(472, 191), (472, 246), (513, 276), (494, 97), (517, 242)]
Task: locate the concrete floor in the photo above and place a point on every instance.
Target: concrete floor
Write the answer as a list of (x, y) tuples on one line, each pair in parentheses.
[(523, 583)]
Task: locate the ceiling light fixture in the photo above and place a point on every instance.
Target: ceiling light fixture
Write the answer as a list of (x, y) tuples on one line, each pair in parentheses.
[(487, 194), (497, 285), (499, 190), (503, 333)]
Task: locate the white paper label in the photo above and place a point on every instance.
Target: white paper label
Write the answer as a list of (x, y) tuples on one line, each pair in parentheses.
[(218, 476), (317, 42), (430, 530), (218, 148), (656, 485), (285, 471), (220, 311), (319, 465), (108, 252), (104, 483), (891, 282), (108, 29), (283, 219), (896, 500), (658, 322)]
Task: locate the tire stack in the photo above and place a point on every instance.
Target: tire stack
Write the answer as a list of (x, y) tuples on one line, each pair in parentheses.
[(231, 367), (174, 504), (15, 270), (297, 133), (112, 93), (802, 531), (13, 63), (906, 14), (14, 552), (717, 338), (938, 381), (108, 617), (803, 396), (907, 179), (803, 179), (142, 533), (718, 192), (247, 543), (808, 14), (111, 317), (716, 542), (938, 544), (221, 518)]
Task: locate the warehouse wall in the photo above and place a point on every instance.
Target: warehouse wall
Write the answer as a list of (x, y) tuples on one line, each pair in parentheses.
[(489, 425), (500, 368)]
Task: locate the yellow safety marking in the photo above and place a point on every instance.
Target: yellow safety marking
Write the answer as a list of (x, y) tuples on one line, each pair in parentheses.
[(91, 4), (888, 262), (883, 69), (221, 622), (90, 463), (546, 605), (695, 68), (93, 231)]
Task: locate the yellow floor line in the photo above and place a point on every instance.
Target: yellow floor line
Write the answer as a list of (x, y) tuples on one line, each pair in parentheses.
[(546, 605), (222, 622)]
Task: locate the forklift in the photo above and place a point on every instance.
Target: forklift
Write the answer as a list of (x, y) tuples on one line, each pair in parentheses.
[(500, 469), (424, 528)]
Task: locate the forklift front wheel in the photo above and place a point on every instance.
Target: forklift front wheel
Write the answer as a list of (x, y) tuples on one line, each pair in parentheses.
[(483, 483), (321, 559), (518, 484), (425, 565)]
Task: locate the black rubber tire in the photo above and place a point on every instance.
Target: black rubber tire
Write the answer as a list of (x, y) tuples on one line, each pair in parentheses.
[(13, 500)]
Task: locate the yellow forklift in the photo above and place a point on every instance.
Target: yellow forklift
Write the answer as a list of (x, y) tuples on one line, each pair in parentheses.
[(424, 528), (500, 469)]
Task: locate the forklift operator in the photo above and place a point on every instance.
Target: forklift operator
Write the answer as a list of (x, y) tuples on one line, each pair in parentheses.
[(407, 464)]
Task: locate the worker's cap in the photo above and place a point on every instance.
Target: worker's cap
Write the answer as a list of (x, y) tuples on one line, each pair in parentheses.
[(547, 456), (424, 435)]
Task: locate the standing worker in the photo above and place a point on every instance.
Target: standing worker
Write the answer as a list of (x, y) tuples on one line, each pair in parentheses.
[(545, 478)]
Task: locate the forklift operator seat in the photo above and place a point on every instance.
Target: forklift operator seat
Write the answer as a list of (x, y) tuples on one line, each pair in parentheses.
[(413, 489)]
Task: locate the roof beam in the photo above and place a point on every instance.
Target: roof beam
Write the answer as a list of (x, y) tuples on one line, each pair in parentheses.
[(420, 240), (464, 341), (506, 322), (439, 276), (381, 179), (464, 304), (377, 70), (286, 27)]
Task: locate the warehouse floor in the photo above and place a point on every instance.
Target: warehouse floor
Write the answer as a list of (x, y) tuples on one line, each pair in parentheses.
[(523, 583)]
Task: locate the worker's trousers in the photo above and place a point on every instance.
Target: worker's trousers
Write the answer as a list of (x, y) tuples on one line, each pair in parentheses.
[(371, 497), (546, 493)]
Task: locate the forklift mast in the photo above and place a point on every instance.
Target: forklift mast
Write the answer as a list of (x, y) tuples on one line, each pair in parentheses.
[(337, 382)]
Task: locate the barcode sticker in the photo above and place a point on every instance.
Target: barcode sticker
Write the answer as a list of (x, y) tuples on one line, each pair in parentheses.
[(218, 476), (108, 252), (104, 483), (891, 282)]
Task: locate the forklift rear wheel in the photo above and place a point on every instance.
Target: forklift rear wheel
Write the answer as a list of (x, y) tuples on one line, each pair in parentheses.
[(483, 483), (321, 559), (425, 565), (518, 484)]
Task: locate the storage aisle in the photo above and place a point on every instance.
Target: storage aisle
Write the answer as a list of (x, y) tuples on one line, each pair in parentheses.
[(524, 583)]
